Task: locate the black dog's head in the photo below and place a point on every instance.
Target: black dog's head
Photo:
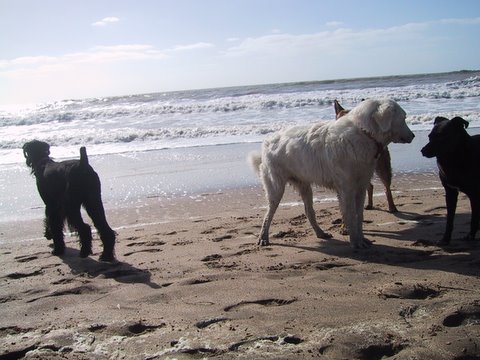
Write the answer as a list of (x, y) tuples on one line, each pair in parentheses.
[(35, 151), (445, 136)]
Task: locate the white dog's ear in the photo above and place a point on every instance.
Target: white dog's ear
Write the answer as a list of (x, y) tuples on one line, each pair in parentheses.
[(383, 116)]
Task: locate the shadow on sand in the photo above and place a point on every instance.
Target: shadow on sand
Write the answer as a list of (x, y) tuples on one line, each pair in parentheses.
[(119, 271), (462, 257)]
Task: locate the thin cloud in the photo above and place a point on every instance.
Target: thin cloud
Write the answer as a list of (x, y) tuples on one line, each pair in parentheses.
[(106, 21), (96, 55), (277, 43), (334, 24), (471, 21), (196, 46), (30, 60), (332, 40)]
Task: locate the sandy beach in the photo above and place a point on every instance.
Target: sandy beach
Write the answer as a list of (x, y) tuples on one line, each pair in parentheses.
[(191, 282)]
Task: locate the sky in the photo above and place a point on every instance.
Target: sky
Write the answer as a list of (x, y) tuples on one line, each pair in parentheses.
[(67, 49)]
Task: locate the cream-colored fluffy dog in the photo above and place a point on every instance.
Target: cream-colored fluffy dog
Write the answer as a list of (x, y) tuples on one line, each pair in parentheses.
[(340, 155)]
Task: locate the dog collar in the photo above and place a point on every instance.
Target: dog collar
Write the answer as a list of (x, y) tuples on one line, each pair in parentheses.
[(378, 145)]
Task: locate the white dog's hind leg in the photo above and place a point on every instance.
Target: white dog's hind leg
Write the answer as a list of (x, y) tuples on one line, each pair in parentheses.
[(305, 191), (274, 192)]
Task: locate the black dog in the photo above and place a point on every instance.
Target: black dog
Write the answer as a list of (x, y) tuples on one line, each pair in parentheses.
[(64, 187), (458, 159)]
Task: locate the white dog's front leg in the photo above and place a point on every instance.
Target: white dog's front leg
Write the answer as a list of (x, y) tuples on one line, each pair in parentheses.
[(351, 204)]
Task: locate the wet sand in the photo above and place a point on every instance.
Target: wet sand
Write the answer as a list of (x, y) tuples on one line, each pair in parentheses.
[(191, 282)]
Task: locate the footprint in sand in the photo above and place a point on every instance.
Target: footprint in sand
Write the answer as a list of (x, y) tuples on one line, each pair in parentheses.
[(323, 265), (146, 243), (285, 234), (25, 258), (213, 257), (126, 274), (78, 290), (143, 251), (196, 281), (264, 302), (221, 238), (294, 340), (211, 230), (20, 275), (213, 262), (298, 220), (180, 347), (127, 329), (7, 298), (202, 324), (330, 265), (183, 243), (463, 316), (400, 290), (195, 351), (365, 346), (63, 281), (246, 251)]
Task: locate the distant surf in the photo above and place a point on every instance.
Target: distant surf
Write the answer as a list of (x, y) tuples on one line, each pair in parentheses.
[(225, 115)]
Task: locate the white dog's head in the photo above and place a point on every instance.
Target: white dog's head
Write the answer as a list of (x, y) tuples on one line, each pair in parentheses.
[(384, 119)]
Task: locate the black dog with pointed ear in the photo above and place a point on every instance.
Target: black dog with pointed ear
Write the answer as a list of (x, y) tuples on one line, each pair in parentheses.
[(64, 188), (458, 160)]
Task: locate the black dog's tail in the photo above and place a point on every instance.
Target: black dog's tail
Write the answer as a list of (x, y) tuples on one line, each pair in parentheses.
[(83, 156)]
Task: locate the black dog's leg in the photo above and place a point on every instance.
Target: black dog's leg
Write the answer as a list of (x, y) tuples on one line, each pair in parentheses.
[(107, 235), (451, 196), (76, 222), (54, 227), (370, 197), (95, 210), (384, 172), (475, 204), (48, 232)]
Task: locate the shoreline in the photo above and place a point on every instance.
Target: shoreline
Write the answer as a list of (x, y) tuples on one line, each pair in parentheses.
[(130, 179), (157, 209)]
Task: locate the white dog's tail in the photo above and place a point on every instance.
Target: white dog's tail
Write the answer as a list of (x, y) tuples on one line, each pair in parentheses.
[(255, 160)]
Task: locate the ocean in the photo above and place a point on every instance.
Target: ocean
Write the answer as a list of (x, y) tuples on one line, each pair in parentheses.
[(185, 142)]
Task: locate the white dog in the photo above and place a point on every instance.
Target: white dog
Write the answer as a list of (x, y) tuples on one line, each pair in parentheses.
[(340, 155)]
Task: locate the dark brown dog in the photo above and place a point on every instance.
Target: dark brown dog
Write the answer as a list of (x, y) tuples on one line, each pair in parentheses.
[(64, 188), (383, 169), (458, 159)]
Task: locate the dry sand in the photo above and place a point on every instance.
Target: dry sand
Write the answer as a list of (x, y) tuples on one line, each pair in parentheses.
[(192, 283)]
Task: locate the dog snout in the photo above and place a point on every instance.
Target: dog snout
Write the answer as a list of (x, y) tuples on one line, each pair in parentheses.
[(406, 138), (427, 151), (410, 138)]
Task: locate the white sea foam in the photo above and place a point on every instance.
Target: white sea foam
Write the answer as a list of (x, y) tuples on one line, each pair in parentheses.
[(220, 116)]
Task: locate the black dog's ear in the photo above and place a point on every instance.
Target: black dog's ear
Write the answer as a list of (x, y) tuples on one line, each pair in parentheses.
[(47, 149), (337, 106), (25, 151), (460, 121), (439, 119)]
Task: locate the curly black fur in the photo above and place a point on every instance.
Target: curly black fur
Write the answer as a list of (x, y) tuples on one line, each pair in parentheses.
[(64, 188)]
